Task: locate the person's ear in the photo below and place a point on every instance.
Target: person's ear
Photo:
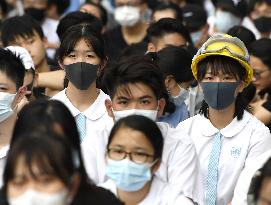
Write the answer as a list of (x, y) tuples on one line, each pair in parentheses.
[(109, 106), (61, 65), (241, 87), (74, 185), (45, 42), (151, 47), (161, 107), (21, 93), (156, 166)]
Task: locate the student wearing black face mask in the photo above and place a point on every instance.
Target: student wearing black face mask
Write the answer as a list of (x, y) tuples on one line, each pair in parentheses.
[(82, 57), (259, 19), (36, 9)]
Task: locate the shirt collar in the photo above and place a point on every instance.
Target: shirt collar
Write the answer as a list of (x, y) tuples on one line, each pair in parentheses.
[(97, 109), (232, 129), (4, 151)]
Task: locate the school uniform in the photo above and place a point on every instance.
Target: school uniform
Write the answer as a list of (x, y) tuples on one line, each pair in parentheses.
[(159, 194), (178, 168), (242, 142), (241, 190), (3, 157), (96, 115)]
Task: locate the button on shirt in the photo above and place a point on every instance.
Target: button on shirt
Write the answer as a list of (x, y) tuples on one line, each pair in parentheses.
[(242, 142), (178, 168), (96, 115)]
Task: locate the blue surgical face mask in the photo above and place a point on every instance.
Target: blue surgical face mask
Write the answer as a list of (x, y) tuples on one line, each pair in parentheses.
[(6, 100), (127, 175), (219, 95), (195, 36), (181, 97), (225, 20)]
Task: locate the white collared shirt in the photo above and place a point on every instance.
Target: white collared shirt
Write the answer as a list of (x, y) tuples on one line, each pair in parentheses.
[(96, 115), (242, 142), (242, 187), (3, 157), (179, 166), (159, 194)]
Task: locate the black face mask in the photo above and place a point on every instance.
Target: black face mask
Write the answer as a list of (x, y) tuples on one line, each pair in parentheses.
[(263, 24), (81, 74), (38, 14)]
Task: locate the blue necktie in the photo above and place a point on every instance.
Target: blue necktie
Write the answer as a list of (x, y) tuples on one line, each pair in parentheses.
[(81, 125), (212, 177)]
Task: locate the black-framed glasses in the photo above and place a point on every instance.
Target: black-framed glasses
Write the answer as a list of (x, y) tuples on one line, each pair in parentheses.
[(258, 74), (137, 157)]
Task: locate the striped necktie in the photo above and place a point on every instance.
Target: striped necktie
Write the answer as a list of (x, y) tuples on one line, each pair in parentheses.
[(212, 177), (81, 125)]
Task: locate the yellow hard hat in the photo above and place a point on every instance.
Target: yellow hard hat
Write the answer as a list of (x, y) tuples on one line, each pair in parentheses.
[(224, 45)]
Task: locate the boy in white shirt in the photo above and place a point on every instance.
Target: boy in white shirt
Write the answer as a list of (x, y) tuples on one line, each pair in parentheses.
[(12, 91), (136, 87)]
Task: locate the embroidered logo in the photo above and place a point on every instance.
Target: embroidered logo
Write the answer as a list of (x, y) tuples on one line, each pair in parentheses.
[(235, 152)]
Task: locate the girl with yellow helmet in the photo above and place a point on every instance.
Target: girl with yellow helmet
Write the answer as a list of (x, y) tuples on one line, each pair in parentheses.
[(226, 136)]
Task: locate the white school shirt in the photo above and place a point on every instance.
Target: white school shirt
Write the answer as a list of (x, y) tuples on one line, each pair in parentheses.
[(96, 115), (3, 157), (179, 166), (242, 142), (159, 194), (241, 189)]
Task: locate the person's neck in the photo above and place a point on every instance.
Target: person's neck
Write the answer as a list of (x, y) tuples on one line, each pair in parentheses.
[(221, 118), (134, 198), (82, 99), (6, 130), (134, 34), (42, 67)]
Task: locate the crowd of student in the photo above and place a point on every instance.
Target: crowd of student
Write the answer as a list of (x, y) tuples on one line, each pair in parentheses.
[(135, 102)]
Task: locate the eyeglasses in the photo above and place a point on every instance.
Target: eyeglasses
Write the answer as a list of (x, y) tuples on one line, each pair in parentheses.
[(137, 157), (257, 74)]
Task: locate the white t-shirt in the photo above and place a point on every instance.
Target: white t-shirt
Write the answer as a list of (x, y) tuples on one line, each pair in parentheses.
[(179, 166), (3, 157), (242, 142), (159, 194), (243, 183), (96, 115)]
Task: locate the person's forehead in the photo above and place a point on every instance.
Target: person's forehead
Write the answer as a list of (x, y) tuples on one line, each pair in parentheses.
[(6, 80), (35, 3), (24, 38), (167, 13), (127, 1), (134, 90)]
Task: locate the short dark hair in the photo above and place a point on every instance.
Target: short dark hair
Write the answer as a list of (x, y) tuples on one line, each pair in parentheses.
[(175, 61), (167, 26), (136, 69), (102, 10), (244, 34), (253, 3), (61, 5), (12, 66), (75, 18), (226, 65), (78, 32), (169, 5), (142, 124), (262, 49), (19, 26)]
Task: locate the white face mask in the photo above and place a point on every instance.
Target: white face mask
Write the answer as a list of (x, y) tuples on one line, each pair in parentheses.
[(32, 197), (151, 114), (127, 15), (6, 100), (181, 97), (225, 20), (195, 36)]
